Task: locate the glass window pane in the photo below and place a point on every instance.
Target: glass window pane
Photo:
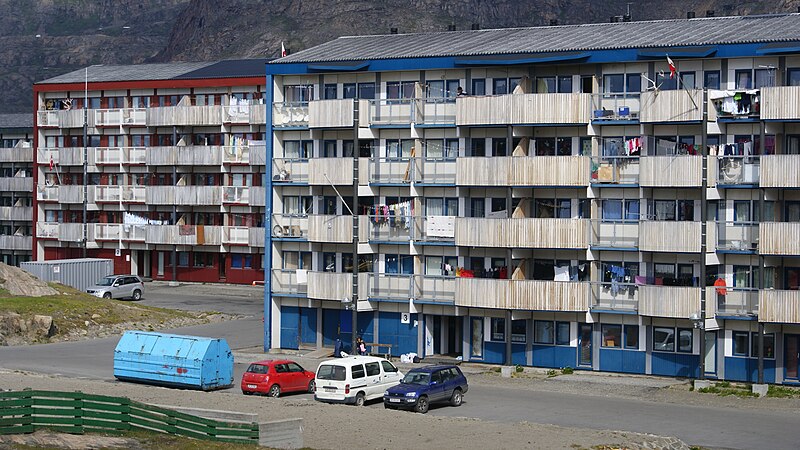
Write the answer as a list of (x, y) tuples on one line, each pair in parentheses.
[(685, 340), (612, 336), (740, 343), (543, 332), (614, 83), (565, 85), (712, 79), (634, 83), (612, 209), (366, 90), (498, 329), (764, 78), (499, 86), (518, 331), (663, 339), (631, 209), (479, 86), (632, 336), (562, 333), (744, 79), (793, 77)]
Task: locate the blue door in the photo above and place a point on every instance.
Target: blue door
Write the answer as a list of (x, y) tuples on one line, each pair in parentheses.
[(330, 327), (346, 329)]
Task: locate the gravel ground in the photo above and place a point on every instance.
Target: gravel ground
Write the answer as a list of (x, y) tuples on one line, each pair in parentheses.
[(335, 426)]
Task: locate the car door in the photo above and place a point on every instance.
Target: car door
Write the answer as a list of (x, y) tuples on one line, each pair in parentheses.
[(391, 376), (296, 377), (374, 379), (281, 376), (436, 390), (130, 284), (117, 287)]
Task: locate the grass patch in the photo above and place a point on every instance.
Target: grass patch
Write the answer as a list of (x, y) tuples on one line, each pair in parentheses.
[(783, 392), (726, 388), (71, 309)]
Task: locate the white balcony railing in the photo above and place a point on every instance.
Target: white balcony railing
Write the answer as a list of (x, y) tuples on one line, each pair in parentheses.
[(290, 115), (780, 171), (119, 232), (120, 155), (779, 238), (120, 117), (124, 194), (330, 113)]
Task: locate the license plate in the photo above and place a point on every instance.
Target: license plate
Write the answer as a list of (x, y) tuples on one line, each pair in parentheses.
[(251, 386), (394, 400), (330, 389)]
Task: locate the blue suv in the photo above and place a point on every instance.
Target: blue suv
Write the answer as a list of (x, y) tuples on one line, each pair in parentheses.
[(426, 385)]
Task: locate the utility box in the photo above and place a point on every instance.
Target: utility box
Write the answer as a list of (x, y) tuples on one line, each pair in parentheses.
[(174, 360), (78, 273)]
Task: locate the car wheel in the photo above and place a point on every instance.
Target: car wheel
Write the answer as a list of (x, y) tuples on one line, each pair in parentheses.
[(360, 399), (247, 393), (311, 386), (386, 406), (422, 405), (456, 398), (107, 295), (274, 391), (137, 295)]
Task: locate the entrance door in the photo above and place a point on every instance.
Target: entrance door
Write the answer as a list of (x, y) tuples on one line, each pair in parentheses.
[(476, 349), (346, 328), (792, 356), (711, 352), (585, 344)]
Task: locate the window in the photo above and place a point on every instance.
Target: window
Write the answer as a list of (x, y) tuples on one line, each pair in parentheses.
[(519, 331), (769, 345), (373, 369), (298, 93), (442, 89), (477, 207), (562, 333), (620, 210), (663, 339), (399, 148), (328, 149), (764, 78), (203, 259), (241, 261), (614, 83), (685, 340), (437, 265), (793, 77), (632, 337), (366, 91), (498, 329), (740, 343), (399, 89), (297, 149), (711, 79), (543, 332), (478, 87), (500, 86), (183, 259), (401, 264), (329, 91), (478, 147), (612, 336), (297, 205), (447, 206), (330, 372), (744, 79), (499, 147), (673, 210), (553, 208), (388, 367), (349, 90), (441, 148), (357, 371), (553, 84)]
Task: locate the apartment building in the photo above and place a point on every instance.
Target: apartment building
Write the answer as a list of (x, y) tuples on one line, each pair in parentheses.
[(16, 187), (540, 196), (156, 166)]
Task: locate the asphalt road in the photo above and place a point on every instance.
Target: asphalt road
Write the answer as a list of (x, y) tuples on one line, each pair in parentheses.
[(705, 426)]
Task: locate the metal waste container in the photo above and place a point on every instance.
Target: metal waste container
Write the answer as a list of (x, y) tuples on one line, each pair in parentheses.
[(173, 360)]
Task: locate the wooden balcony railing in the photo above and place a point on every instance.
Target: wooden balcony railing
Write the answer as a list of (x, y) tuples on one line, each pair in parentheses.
[(677, 302), (522, 294), (522, 233)]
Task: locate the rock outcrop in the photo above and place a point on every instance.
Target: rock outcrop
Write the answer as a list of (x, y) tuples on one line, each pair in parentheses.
[(20, 283)]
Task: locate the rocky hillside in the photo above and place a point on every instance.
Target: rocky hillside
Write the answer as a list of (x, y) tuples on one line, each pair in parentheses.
[(44, 38)]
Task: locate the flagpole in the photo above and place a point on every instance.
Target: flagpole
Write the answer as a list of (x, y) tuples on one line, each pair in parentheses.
[(673, 72)]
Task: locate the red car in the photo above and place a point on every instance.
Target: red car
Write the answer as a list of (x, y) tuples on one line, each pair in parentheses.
[(272, 377)]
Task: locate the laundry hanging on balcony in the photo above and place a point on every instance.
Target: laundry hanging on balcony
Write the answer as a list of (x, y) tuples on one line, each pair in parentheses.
[(736, 102), (396, 215)]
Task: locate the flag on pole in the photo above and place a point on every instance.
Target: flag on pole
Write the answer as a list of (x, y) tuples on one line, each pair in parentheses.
[(672, 68), (283, 50)]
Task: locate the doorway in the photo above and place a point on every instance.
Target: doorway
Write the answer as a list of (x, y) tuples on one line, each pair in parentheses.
[(585, 344), (711, 353), (791, 357)]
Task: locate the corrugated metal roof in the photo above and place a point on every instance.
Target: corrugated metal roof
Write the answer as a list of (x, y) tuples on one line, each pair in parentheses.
[(598, 36), (16, 121), (165, 71)]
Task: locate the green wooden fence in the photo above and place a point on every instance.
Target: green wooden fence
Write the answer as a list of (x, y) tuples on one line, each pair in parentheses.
[(75, 412)]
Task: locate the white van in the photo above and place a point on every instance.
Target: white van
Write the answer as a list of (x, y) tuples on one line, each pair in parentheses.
[(355, 379)]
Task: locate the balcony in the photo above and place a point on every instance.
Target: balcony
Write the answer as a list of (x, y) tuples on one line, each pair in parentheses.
[(258, 196), (16, 213), (615, 107), (17, 154), (402, 287), (257, 237), (120, 117), (258, 114), (619, 297), (290, 226), (671, 171), (523, 171), (47, 230), (47, 119), (285, 282), (188, 155), (117, 194), (184, 234), (63, 118), (236, 154), (387, 170), (390, 112), (386, 229), (735, 171), (290, 170), (14, 242), (435, 171), (526, 295), (166, 116), (679, 105), (248, 236), (522, 233), (71, 232), (780, 103), (257, 155), (434, 229), (119, 232), (778, 306), (615, 170), (74, 193), (236, 195), (323, 228), (669, 236), (16, 184), (120, 155), (239, 114), (678, 302), (737, 237), (738, 105), (780, 171), (330, 285), (184, 195), (65, 156), (522, 109), (330, 113), (290, 115), (328, 171), (619, 234), (46, 193), (736, 302), (779, 238), (435, 112)]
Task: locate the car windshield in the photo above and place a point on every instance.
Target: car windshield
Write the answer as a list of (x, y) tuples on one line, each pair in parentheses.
[(329, 372), (107, 281), (258, 368), (422, 378)]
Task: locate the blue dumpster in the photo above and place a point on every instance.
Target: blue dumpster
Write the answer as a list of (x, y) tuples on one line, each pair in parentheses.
[(173, 360)]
